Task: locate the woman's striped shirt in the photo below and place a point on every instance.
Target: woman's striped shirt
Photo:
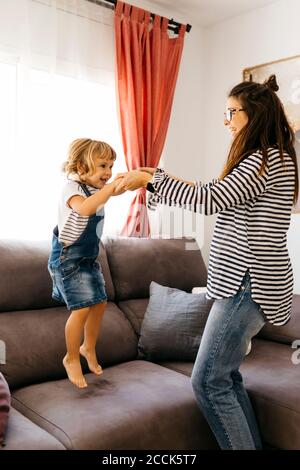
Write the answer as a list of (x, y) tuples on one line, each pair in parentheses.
[(254, 214)]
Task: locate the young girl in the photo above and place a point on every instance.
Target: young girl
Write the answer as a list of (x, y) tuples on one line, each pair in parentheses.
[(76, 275), (250, 274)]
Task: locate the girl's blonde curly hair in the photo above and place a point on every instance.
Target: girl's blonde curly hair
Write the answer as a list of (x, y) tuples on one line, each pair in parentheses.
[(83, 153)]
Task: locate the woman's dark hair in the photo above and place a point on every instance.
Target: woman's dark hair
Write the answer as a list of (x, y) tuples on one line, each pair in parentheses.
[(267, 126)]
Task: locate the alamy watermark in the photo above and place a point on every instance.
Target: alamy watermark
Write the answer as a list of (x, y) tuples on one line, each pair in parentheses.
[(2, 352), (296, 354), (168, 222)]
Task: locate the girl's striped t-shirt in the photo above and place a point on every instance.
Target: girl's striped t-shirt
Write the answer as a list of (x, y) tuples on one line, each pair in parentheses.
[(71, 224)]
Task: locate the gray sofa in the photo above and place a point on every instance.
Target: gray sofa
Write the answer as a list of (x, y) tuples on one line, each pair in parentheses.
[(135, 404)]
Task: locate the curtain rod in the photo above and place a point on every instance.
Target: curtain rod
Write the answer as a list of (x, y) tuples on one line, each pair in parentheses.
[(172, 26)]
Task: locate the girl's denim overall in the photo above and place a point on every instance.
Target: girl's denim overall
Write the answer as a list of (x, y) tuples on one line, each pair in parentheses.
[(77, 277)]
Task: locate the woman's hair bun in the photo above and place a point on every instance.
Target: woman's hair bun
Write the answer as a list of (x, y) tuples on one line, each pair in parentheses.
[(272, 83)]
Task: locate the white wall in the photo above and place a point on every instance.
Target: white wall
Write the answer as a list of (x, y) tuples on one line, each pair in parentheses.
[(183, 153), (263, 35), (184, 148), (185, 137)]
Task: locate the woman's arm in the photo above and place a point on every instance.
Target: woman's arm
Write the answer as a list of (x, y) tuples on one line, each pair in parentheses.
[(139, 178), (242, 184), (190, 183), (151, 171)]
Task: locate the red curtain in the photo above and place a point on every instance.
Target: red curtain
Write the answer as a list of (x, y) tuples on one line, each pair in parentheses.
[(147, 64)]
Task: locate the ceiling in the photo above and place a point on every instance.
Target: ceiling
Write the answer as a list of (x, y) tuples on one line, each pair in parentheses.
[(209, 12)]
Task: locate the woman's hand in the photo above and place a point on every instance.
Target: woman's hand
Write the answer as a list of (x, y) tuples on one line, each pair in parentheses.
[(147, 169), (135, 179)]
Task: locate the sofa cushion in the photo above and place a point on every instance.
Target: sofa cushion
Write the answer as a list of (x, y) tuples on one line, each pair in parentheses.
[(35, 343), (23, 434), (183, 367), (173, 324), (287, 333), (133, 405), (25, 282), (4, 408), (134, 309), (135, 262)]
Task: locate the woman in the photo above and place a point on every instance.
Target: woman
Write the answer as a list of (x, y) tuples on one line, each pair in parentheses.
[(249, 273)]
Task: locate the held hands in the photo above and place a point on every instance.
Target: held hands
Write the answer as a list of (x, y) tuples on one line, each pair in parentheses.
[(133, 180), (118, 188)]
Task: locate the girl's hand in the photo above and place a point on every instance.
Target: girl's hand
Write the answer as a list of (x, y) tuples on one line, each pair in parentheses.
[(119, 186), (147, 169)]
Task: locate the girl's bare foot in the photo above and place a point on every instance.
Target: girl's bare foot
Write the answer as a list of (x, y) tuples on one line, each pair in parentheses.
[(91, 358), (74, 372)]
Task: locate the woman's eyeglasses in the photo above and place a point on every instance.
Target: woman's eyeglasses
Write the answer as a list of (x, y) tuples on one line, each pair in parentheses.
[(231, 112)]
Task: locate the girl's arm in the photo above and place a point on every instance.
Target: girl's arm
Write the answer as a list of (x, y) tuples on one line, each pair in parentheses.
[(242, 184), (87, 206)]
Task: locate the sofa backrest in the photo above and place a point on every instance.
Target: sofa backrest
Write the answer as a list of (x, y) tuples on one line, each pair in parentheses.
[(135, 262), (25, 282)]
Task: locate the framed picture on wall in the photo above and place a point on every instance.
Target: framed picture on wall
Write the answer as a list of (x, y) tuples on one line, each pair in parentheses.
[(287, 73)]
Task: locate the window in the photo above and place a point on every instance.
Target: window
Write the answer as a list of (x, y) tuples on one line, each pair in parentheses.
[(40, 114)]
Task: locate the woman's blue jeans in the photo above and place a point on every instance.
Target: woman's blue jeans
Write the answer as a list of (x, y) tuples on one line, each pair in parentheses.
[(216, 380)]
